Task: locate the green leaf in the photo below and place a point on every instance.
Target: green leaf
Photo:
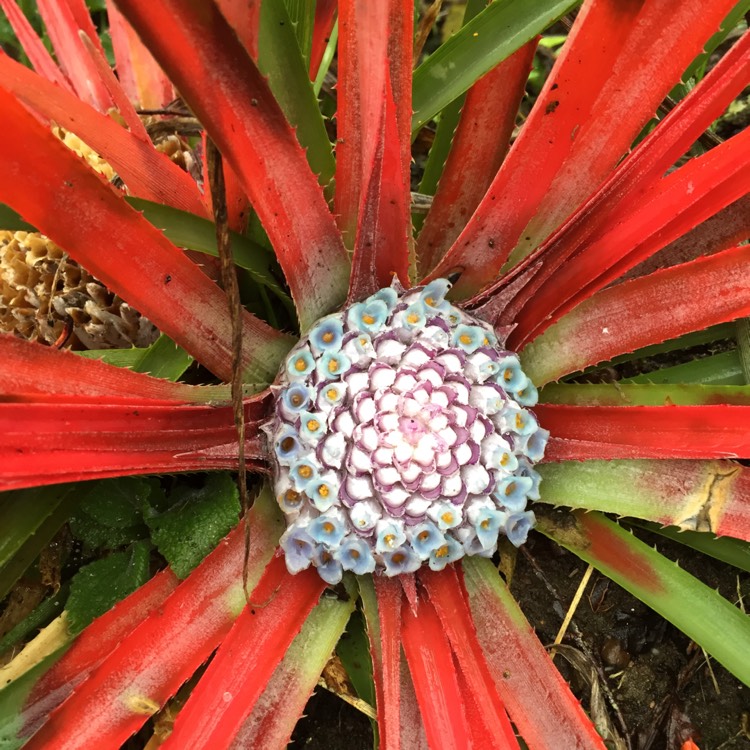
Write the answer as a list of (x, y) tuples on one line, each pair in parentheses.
[(731, 551), (98, 586), (111, 511), (116, 357), (280, 59), (325, 65), (196, 233), (496, 33), (717, 369), (354, 651), (29, 519), (196, 521), (50, 608), (11, 221), (696, 609), (302, 15), (643, 394), (163, 359)]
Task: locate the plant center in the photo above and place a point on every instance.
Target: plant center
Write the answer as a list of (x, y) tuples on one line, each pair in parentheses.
[(402, 436)]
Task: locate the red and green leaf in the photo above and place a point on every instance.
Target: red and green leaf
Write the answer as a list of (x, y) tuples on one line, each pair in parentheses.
[(384, 630), (73, 664), (435, 676), (639, 177), (479, 147), (247, 658), (694, 495), (665, 211), (446, 594), (672, 592), (284, 698)]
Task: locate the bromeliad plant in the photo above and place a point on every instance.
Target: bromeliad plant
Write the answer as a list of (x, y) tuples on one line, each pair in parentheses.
[(397, 427)]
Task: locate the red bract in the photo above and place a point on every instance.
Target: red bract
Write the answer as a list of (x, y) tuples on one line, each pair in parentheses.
[(540, 232)]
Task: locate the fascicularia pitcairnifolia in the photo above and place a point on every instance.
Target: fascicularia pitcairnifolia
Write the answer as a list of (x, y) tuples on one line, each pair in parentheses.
[(401, 437)]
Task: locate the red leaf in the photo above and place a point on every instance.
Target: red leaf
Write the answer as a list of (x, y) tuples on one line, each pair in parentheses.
[(372, 180), (619, 62), (29, 370), (386, 668), (55, 191), (445, 592), (604, 432), (723, 230), (224, 88), (625, 190), (32, 45), (540, 702), (147, 173), (119, 97), (325, 17), (52, 442), (435, 677), (151, 663), (644, 311), (62, 23), (479, 146), (91, 647), (138, 73), (246, 659), (244, 17), (665, 212)]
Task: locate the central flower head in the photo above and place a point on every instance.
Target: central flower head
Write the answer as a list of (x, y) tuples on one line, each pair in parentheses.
[(400, 437)]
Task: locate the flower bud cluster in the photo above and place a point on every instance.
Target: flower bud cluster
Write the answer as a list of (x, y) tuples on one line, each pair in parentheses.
[(401, 437)]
